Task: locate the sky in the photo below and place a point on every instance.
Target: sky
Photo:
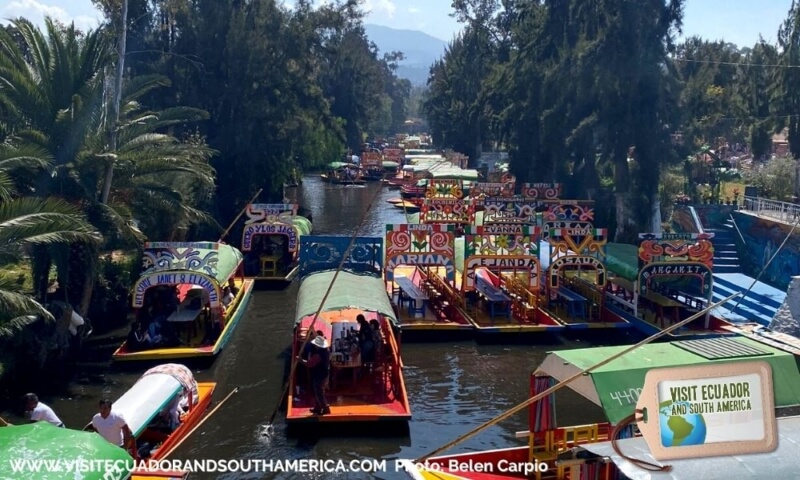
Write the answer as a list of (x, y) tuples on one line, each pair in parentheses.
[(735, 21)]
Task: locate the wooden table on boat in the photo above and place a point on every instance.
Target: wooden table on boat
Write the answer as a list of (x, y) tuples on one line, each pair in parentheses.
[(495, 297), (407, 286), (337, 366), (576, 303), (185, 317), (661, 302)]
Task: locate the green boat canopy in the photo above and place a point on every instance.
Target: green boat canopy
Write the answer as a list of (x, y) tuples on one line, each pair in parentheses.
[(390, 164), (614, 386), (43, 442), (623, 259), (350, 290), (302, 224), (336, 165)]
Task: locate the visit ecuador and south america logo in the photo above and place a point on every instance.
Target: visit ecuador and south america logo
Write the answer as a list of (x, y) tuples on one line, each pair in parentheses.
[(681, 417)]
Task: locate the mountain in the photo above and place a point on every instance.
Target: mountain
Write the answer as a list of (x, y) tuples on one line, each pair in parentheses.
[(419, 48)]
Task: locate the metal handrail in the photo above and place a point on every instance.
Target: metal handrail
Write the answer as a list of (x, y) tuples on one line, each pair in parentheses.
[(784, 211), (744, 242), (696, 218)]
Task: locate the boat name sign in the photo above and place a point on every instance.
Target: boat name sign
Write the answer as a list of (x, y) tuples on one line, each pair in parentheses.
[(254, 229), (666, 269), (174, 279)]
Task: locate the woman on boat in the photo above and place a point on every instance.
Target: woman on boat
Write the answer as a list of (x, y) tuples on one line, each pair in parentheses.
[(320, 365), (138, 338), (377, 338)]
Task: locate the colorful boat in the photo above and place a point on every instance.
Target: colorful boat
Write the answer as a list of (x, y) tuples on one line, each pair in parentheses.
[(668, 277), (360, 390), (271, 240), (615, 388), (147, 405), (184, 284), (420, 275), (372, 165), (576, 271)]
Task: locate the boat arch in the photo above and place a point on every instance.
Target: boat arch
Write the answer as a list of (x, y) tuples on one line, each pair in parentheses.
[(577, 262)]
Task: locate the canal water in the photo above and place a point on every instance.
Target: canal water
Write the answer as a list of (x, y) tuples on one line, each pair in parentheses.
[(452, 386)]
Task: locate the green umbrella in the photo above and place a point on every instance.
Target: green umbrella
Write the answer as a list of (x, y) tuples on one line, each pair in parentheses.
[(24, 449)]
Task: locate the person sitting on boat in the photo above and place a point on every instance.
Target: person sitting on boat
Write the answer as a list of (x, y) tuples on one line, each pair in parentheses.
[(227, 296), (39, 412), (320, 365), (366, 341), (138, 337), (233, 287), (154, 332), (111, 425)]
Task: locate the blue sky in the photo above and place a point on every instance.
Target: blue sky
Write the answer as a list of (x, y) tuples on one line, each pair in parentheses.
[(737, 21)]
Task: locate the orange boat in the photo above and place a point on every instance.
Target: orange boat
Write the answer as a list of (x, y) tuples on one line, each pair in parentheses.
[(359, 390), (144, 404)]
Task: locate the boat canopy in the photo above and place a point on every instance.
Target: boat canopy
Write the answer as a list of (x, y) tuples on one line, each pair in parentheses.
[(454, 173), (779, 463), (351, 290), (335, 165), (615, 386), (150, 395), (623, 259), (302, 224), (390, 164), (206, 264), (44, 442)]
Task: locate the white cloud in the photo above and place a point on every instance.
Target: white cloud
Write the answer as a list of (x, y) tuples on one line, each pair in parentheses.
[(381, 6), (413, 10), (36, 11)]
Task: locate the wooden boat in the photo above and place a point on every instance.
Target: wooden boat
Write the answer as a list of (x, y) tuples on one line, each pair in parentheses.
[(271, 242), (615, 388), (148, 401), (198, 272), (654, 286), (358, 391), (413, 253), (371, 166)]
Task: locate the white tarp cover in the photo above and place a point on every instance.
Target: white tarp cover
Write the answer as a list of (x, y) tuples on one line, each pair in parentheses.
[(781, 463), (145, 399)]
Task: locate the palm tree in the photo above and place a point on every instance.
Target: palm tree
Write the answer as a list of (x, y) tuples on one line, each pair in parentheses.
[(55, 89), (24, 223)]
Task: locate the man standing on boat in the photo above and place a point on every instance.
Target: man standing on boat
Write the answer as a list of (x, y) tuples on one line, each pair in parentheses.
[(39, 412), (320, 365), (111, 426)]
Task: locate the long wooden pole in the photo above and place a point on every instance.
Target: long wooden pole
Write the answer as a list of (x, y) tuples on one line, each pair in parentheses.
[(3, 423), (235, 390), (225, 233), (574, 377)]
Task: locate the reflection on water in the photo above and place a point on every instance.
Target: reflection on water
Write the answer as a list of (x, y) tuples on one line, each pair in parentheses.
[(452, 387)]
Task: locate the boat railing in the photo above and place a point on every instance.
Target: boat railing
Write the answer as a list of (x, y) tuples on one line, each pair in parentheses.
[(523, 302), (546, 445)]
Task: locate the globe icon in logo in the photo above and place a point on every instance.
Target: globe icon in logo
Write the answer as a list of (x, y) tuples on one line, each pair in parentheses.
[(680, 430)]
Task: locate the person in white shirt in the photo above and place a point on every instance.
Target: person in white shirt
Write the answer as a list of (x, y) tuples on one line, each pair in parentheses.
[(227, 296), (111, 426), (39, 412)]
